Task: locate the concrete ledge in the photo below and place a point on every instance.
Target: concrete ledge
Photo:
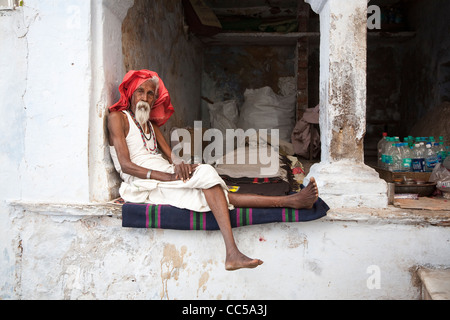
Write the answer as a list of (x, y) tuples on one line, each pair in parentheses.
[(66, 209), (390, 215), (76, 251), (435, 283)]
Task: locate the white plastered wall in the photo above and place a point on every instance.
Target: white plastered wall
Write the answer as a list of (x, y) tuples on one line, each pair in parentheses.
[(107, 70), (60, 63)]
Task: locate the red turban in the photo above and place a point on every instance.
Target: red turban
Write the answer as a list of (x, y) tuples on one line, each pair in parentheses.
[(161, 111)]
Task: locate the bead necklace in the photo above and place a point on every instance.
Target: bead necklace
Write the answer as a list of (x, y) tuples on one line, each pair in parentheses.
[(143, 135)]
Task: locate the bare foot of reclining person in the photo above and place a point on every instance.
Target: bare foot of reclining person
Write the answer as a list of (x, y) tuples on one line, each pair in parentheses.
[(237, 260), (306, 198)]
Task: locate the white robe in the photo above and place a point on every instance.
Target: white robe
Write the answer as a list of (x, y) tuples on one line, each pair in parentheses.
[(182, 195)]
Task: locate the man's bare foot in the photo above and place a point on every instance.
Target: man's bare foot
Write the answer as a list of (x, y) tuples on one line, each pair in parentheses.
[(238, 261), (306, 198)]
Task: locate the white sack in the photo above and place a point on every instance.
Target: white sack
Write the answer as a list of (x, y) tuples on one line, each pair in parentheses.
[(224, 115), (264, 109)]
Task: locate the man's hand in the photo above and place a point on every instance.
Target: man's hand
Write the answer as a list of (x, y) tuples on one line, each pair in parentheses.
[(184, 171)]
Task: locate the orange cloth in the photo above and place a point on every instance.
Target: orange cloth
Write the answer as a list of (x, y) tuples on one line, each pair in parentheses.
[(161, 111)]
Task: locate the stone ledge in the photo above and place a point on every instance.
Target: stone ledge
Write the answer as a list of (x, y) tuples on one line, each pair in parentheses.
[(67, 209), (435, 283), (390, 215)]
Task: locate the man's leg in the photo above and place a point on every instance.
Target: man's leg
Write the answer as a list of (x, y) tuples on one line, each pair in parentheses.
[(234, 258), (305, 199)]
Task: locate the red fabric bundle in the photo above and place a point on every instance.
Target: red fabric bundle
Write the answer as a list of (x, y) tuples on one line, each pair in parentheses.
[(161, 111)]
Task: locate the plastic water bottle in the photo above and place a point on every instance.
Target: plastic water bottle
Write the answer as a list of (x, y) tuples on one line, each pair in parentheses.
[(431, 158), (397, 158), (418, 160), (380, 146), (384, 148), (423, 147), (407, 140), (441, 153), (388, 152), (401, 158), (407, 158)]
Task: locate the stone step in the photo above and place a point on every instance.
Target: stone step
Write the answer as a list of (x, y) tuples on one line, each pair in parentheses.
[(435, 283)]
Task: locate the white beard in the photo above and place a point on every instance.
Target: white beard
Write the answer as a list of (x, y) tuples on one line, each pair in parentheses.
[(142, 113)]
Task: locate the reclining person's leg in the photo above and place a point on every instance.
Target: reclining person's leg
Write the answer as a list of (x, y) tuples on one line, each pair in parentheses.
[(305, 199), (219, 206)]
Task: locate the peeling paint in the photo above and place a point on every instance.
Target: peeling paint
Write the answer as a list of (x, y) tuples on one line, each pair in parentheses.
[(296, 240), (202, 282), (97, 259), (171, 263)]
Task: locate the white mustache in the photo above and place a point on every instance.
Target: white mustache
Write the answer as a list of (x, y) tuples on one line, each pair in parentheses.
[(142, 112), (143, 105)]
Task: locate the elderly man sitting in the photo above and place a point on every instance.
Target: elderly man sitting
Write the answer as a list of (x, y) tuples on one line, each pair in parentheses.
[(136, 144)]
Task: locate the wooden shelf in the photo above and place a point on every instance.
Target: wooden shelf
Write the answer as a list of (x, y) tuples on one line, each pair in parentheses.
[(288, 39), (393, 36), (257, 38), (382, 122)]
